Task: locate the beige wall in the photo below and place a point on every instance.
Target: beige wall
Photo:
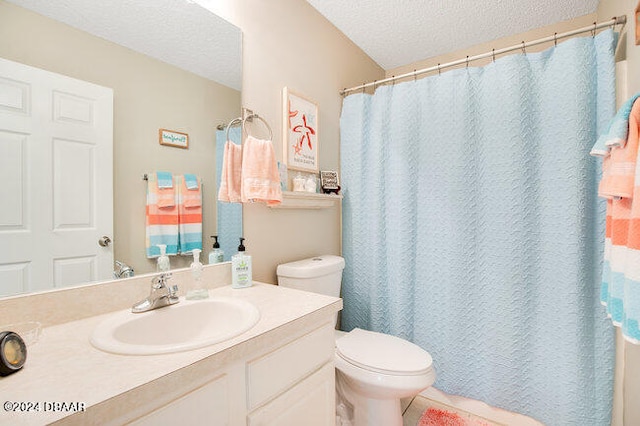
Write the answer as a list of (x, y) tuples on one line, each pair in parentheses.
[(148, 95), (626, 407), (310, 56)]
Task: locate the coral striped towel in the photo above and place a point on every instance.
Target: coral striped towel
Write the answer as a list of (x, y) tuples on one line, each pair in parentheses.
[(230, 180), (166, 195), (618, 170), (191, 181), (189, 217), (161, 222), (260, 177), (617, 132), (620, 290), (190, 195)]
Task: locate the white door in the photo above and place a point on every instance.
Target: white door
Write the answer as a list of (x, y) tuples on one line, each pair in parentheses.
[(56, 179)]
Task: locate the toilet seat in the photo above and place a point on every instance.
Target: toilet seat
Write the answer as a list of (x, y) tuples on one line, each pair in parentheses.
[(384, 354)]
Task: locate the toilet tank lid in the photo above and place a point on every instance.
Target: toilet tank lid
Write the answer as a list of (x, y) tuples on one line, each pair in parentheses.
[(312, 267)]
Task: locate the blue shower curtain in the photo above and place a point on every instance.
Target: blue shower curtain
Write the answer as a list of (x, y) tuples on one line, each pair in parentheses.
[(471, 227)]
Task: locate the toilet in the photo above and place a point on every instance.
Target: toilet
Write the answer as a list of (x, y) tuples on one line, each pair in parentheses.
[(373, 370)]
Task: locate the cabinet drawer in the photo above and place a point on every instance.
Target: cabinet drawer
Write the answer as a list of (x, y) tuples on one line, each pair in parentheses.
[(310, 403), (280, 369)]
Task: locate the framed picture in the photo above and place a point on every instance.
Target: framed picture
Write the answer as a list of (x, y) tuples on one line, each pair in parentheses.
[(173, 138), (300, 122)]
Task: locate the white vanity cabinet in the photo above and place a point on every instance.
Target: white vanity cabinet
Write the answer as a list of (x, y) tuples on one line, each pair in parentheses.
[(294, 384), (279, 372), (287, 383), (208, 404)]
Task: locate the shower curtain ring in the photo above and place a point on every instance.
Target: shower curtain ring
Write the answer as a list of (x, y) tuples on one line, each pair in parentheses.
[(363, 88), (524, 50), (415, 76), (438, 68), (555, 39), (467, 61), (493, 54), (393, 80), (593, 31)]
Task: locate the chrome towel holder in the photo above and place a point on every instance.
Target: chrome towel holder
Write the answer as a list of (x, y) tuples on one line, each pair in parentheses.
[(250, 118), (242, 122)]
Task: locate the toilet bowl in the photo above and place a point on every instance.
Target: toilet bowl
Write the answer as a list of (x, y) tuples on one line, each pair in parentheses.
[(373, 370)]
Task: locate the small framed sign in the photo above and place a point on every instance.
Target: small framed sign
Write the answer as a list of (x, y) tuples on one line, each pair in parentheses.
[(173, 138), (329, 181)]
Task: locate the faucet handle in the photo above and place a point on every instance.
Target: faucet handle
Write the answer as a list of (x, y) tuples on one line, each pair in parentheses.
[(161, 279), (173, 290)]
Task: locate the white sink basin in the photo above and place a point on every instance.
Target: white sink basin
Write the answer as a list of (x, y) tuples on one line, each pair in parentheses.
[(187, 325)]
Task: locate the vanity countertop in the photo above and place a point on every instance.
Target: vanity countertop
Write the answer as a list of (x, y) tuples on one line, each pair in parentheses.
[(63, 366)]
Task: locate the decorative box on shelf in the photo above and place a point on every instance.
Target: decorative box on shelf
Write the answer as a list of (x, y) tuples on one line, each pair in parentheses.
[(307, 200)]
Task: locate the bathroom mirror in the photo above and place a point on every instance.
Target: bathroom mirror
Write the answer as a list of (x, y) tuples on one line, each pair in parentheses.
[(171, 64)]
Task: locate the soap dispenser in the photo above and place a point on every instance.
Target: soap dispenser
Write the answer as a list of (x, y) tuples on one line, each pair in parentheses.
[(198, 291), (241, 268), (216, 255), (163, 263)]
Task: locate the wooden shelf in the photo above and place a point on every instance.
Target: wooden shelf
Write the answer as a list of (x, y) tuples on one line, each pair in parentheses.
[(307, 200)]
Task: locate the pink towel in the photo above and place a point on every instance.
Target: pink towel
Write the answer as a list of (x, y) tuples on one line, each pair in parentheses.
[(618, 170), (230, 182), (260, 177)]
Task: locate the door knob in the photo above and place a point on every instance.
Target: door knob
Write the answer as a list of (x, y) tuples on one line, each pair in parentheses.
[(104, 241)]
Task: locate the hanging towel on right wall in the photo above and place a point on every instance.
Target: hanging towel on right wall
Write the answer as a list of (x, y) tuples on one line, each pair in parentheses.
[(620, 185)]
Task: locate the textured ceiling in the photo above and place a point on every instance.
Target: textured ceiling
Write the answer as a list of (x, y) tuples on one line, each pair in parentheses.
[(400, 32), (177, 32)]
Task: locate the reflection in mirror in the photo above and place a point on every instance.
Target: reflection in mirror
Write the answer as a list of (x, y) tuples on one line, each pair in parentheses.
[(172, 66), (229, 214)]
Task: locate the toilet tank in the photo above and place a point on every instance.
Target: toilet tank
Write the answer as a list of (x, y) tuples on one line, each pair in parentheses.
[(321, 274)]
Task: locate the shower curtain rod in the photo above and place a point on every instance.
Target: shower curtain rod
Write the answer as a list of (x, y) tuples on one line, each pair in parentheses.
[(622, 19)]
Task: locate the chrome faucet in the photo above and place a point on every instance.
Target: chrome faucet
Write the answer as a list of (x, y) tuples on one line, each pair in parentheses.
[(161, 295), (123, 271)]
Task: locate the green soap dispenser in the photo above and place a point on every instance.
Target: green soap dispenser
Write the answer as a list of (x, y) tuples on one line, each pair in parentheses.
[(216, 255), (241, 268)]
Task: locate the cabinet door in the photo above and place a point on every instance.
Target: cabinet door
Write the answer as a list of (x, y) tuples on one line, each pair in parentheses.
[(273, 373), (207, 405), (310, 403)]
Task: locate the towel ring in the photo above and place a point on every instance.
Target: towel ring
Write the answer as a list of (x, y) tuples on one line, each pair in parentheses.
[(231, 123), (259, 118)]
